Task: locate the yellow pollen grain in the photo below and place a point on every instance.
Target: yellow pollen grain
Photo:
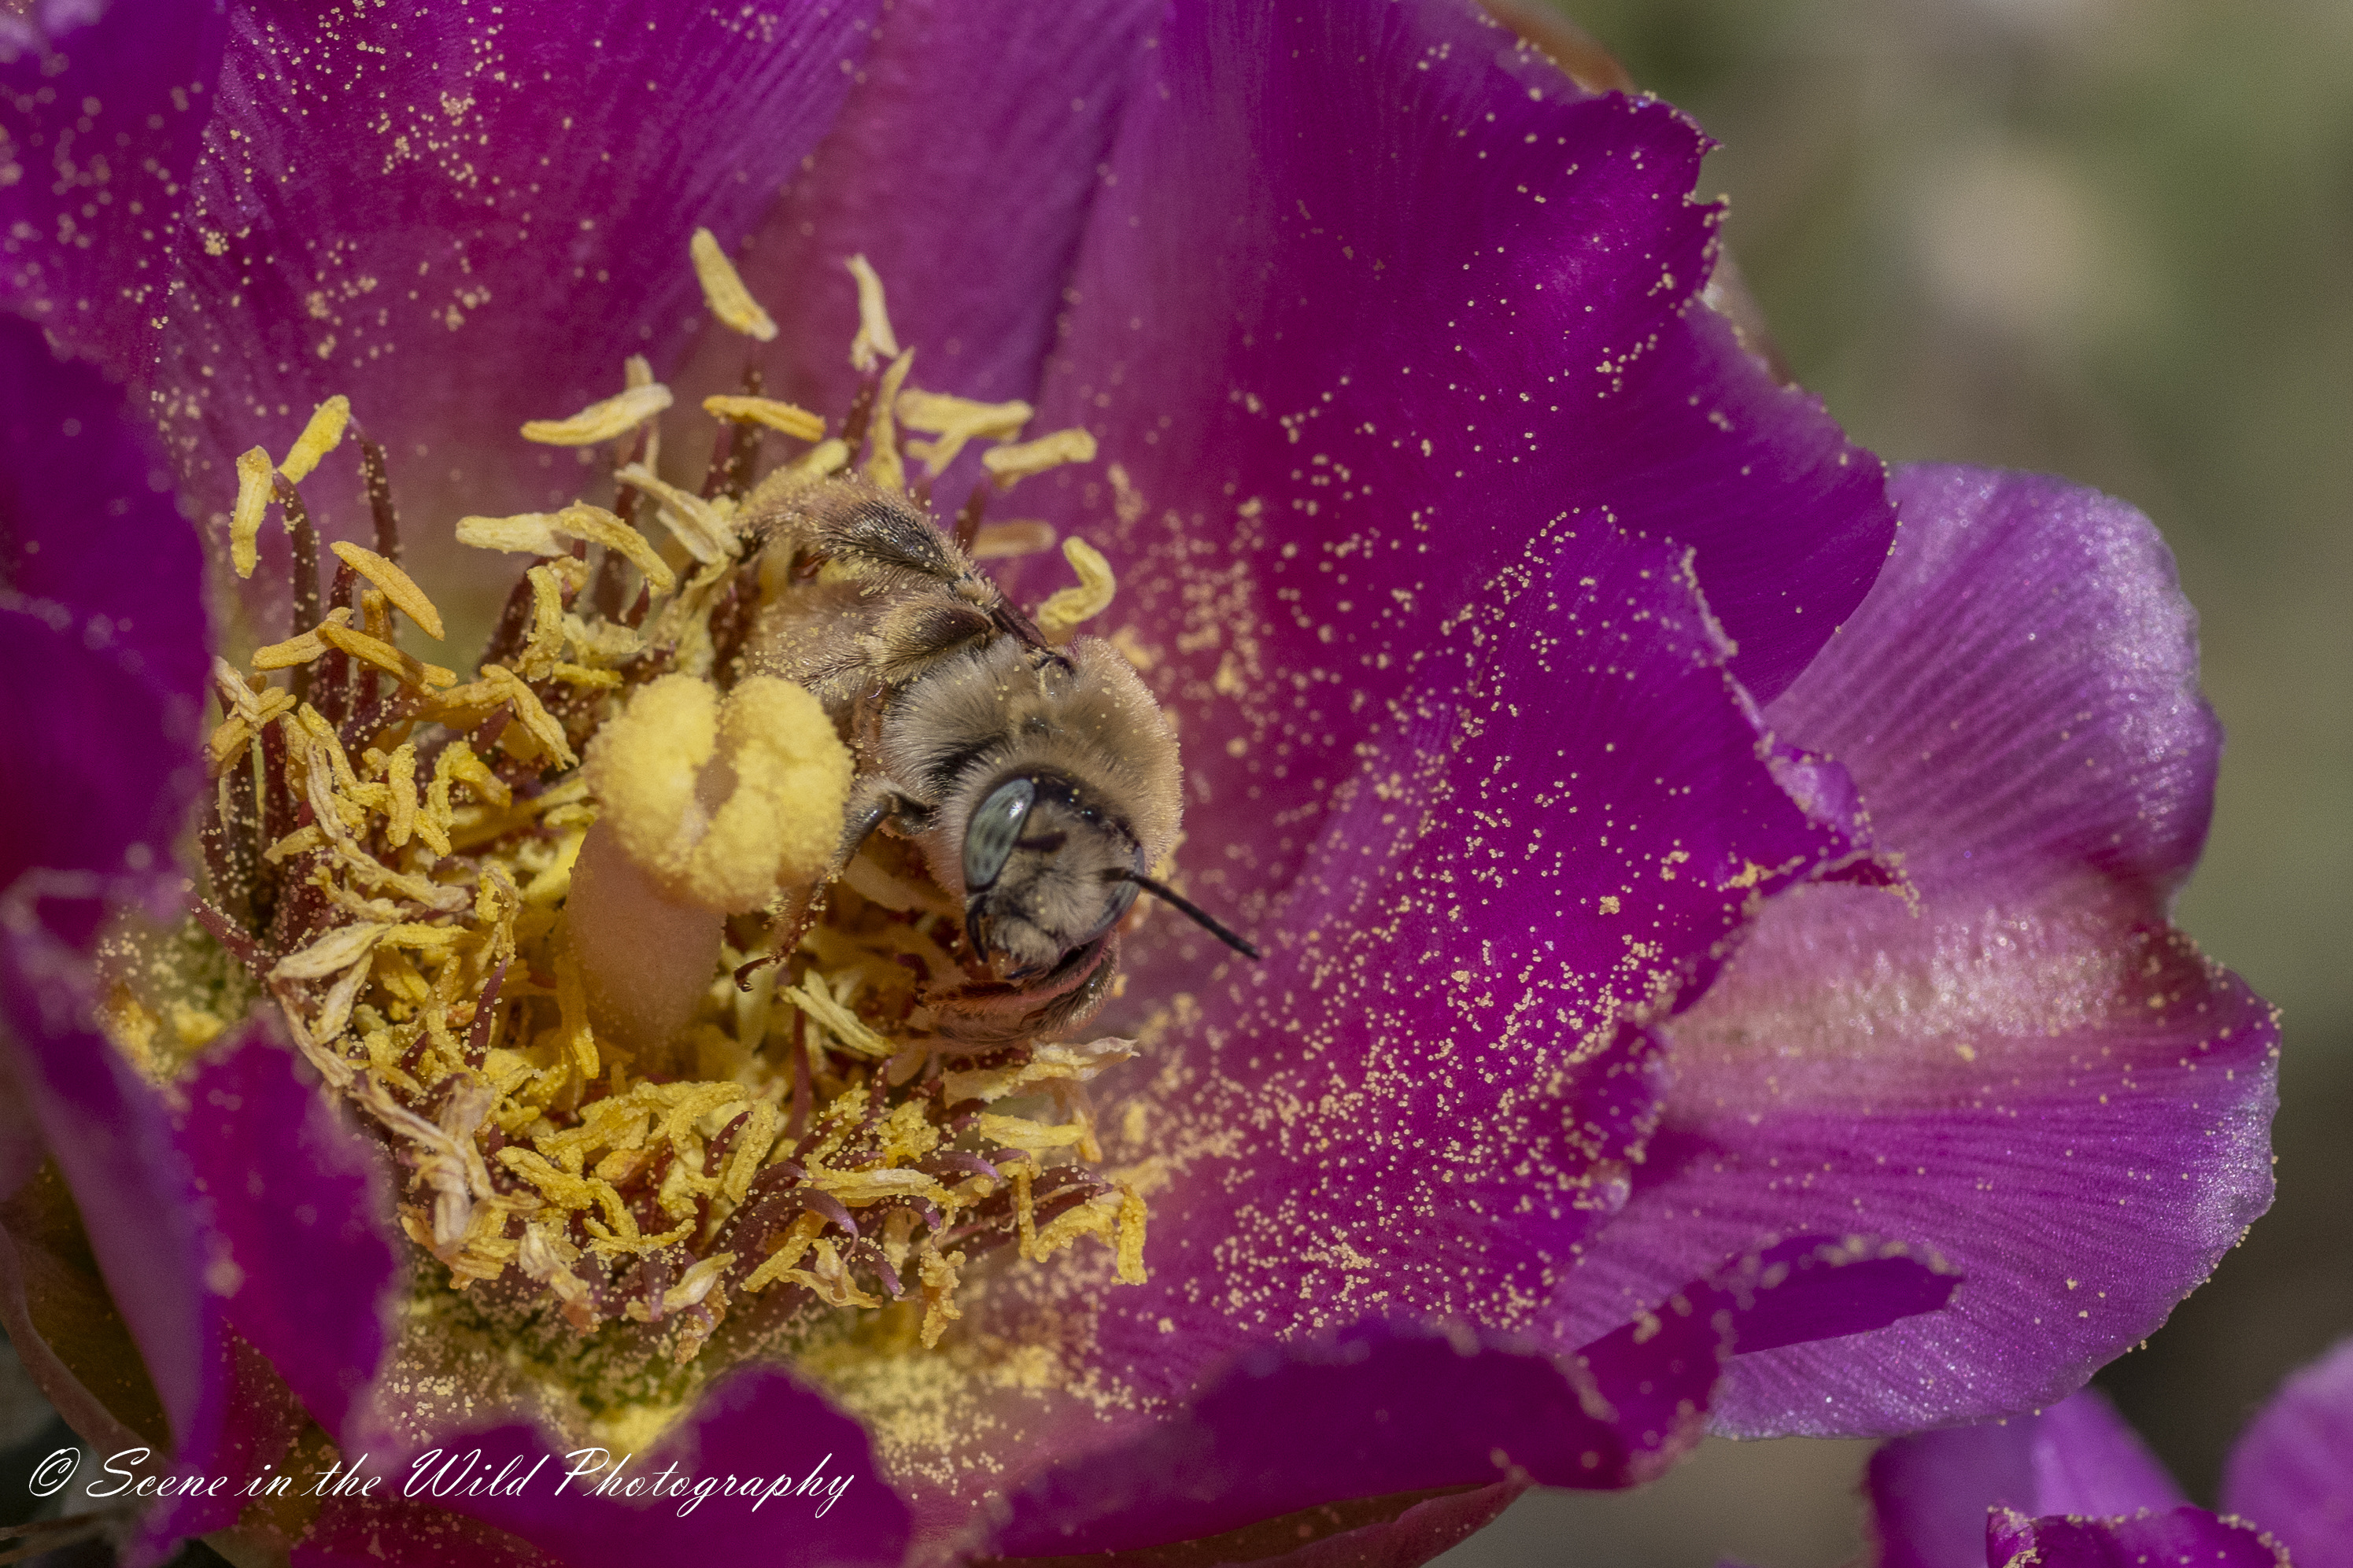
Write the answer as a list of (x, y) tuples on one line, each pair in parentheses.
[(1006, 464), (614, 418), (397, 585), (788, 419), (884, 469), (956, 421), (875, 341), (253, 492), (1067, 608), (321, 435), (723, 290)]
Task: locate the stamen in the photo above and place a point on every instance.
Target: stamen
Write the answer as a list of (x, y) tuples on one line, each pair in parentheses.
[(700, 525), (1067, 608), (956, 420), (254, 471), (884, 470), (319, 437), (614, 418), (795, 422), (464, 940), (1013, 537), (875, 341), (723, 290), (395, 585), (1006, 464)]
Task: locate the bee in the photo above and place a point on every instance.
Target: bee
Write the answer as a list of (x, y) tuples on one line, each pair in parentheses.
[(1040, 784)]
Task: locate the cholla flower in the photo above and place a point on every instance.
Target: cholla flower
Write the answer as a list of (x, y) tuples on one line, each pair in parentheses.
[(2074, 1484), (1365, 367)]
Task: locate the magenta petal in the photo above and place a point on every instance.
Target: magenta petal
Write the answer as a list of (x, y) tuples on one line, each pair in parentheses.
[(295, 1221), (370, 1533), (1929, 1494), (464, 221), (110, 1132), (1383, 1408), (1402, 317), (102, 594), (2176, 1538), (1441, 1105), (1374, 1411), (962, 167), (2292, 1467), (2033, 1075), (757, 1424), (100, 116)]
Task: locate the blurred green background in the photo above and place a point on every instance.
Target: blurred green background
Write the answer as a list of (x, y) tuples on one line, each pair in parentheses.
[(2111, 239)]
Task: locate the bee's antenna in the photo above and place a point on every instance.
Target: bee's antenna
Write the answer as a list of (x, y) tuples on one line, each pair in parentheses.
[(1186, 906)]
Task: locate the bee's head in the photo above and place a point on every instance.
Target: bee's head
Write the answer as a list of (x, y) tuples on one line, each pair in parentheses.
[(1048, 868)]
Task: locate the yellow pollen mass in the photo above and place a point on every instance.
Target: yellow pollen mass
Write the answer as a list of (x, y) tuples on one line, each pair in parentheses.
[(956, 421), (1067, 608), (614, 418), (397, 585), (883, 468), (780, 818), (785, 417), (1006, 464), (321, 435), (723, 290), (253, 470), (875, 341)]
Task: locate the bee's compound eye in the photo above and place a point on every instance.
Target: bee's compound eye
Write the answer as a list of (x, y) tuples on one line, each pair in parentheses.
[(989, 836)]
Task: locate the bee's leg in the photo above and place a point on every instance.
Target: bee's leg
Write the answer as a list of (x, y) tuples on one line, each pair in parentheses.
[(874, 801)]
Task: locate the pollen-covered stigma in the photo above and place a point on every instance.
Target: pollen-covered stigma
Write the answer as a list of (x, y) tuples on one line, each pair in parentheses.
[(574, 935)]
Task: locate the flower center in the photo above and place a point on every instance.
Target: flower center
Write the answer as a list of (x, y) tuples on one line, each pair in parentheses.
[(656, 1038)]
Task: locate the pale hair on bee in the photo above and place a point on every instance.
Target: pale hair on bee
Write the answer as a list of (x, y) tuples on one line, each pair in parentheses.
[(1041, 784)]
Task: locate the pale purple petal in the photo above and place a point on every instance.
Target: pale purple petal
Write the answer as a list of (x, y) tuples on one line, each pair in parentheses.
[(2173, 1538), (101, 595), (296, 1220), (2292, 1469), (464, 221), (99, 122), (1929, 1494), (2033, 1075)]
